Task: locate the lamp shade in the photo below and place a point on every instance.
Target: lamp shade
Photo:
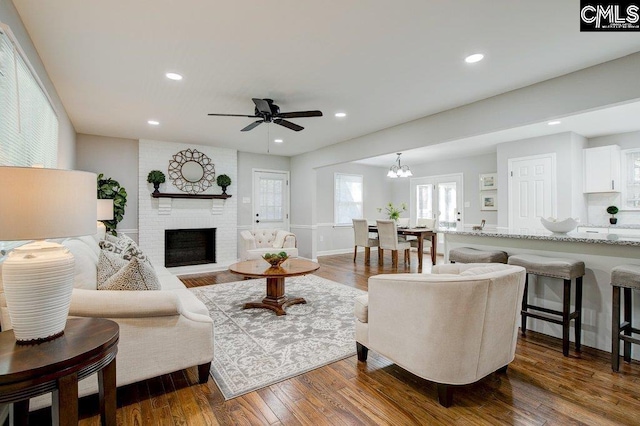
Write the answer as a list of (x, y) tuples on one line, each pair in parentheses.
[(105, 209), (36, 203)]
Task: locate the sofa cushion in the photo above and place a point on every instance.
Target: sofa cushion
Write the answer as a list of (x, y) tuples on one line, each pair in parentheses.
[(362, 308), (86, 262), (278, 242), (135, 275)]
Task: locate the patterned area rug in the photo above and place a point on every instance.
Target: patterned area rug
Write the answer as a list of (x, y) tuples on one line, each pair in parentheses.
[(254, 348)]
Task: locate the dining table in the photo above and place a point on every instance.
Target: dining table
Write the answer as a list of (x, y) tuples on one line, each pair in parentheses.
[(421, 234)]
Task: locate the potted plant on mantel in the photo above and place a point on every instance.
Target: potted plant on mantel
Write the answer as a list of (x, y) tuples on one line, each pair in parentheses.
[(156, 177), (223, 181), (612, 210)]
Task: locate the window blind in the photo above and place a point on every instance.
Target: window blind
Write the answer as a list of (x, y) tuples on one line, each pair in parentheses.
[(28, 123), (348, 198)]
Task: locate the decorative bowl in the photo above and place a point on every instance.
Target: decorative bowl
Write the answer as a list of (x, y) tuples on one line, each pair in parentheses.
[(275, 259), (559, 226)]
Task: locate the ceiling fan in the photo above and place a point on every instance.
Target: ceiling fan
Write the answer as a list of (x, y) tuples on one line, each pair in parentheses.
[(268, 112)]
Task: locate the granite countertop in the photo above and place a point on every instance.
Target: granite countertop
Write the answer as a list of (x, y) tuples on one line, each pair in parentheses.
[(591, 225), (574, 237)]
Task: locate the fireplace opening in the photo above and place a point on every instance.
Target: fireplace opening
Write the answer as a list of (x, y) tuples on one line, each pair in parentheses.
[(183, 247)]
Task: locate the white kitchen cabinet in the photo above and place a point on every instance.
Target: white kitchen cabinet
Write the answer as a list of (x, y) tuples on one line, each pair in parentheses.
[(602, 169)]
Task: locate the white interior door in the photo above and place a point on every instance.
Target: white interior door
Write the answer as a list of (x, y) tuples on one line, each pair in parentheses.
[(532, 186), (271, 199)]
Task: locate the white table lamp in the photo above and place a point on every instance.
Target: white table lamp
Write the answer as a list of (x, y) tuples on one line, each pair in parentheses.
[(35, 204), (105, 212)]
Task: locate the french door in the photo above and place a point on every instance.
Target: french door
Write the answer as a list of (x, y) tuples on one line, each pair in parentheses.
[(271, 199), (439, 198)]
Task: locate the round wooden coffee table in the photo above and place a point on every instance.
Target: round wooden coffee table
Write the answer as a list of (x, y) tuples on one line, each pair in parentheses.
[(276, 299)]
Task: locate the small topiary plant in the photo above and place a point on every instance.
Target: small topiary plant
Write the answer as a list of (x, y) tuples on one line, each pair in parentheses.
[(613, 210), (223, 181), (156, 177)]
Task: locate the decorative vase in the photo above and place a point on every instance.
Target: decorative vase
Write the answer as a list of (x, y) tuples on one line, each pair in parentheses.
[(224, 190), (156, 187), (613, 220), (38, 281)]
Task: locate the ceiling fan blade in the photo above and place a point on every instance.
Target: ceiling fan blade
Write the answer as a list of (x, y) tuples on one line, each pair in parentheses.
[(300, 114), (234, 115), (262, 105), (251, 126), (288, 124)]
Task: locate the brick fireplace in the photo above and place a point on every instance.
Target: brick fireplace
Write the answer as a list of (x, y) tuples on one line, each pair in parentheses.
[(157, 215)]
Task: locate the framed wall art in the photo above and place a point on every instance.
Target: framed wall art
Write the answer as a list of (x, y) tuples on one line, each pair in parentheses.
[(488, 181), (489, 200)]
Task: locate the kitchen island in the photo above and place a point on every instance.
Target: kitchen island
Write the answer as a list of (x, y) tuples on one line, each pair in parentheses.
[(599, 252)]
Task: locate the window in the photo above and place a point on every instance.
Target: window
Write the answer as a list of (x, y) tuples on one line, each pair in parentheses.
[(347, 198), (631, 179), (28, 124)]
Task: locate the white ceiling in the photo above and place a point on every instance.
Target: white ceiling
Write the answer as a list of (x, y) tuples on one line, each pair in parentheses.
[(382, 63)]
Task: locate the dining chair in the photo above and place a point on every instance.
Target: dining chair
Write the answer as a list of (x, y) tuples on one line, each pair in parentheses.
[(388, 240), (361, 238)]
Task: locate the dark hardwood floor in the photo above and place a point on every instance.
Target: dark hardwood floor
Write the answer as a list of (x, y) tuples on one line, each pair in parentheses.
[(540, 387)]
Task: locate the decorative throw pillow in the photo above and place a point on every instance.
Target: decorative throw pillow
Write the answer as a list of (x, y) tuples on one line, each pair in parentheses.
[(116, 244), (108, 265), (123, 246), (135, 275)]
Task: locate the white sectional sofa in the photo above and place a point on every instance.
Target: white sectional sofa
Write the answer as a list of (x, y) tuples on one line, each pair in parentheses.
[(161, 331)]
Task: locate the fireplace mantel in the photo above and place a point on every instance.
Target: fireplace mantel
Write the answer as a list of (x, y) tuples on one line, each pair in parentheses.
[(192, 196)]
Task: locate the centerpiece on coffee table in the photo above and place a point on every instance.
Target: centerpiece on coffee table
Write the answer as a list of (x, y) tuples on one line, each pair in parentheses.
[(275, 259)]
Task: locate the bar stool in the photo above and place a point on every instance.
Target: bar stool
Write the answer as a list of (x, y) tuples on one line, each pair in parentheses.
[(471, 255), (628, 278), (553, 267)]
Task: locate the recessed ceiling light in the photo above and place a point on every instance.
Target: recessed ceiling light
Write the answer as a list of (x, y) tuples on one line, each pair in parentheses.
[(173, 76), (278, 140), (476, 57), (554, 122), (341, 114), (153, 122)]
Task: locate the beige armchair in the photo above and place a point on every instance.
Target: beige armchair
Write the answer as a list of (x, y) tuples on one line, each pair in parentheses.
[(453, 327), (255, 243)]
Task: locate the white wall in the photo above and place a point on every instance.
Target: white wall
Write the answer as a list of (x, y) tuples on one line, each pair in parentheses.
[(377, 193), (66, 132), (606, 84), (117, 159)]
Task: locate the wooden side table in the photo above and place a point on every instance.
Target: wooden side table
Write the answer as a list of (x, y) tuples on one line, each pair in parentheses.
[(88, 345)]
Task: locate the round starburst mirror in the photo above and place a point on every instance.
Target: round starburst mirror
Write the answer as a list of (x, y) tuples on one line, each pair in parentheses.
[(191, 171)]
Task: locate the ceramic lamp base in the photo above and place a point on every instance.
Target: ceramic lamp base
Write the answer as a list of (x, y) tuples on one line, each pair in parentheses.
[(38, 281)]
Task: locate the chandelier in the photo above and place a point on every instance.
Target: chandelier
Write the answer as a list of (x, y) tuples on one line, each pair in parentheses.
[(397, 170)]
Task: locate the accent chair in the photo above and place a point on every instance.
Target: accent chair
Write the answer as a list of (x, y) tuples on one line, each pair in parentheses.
[(452, 327)]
